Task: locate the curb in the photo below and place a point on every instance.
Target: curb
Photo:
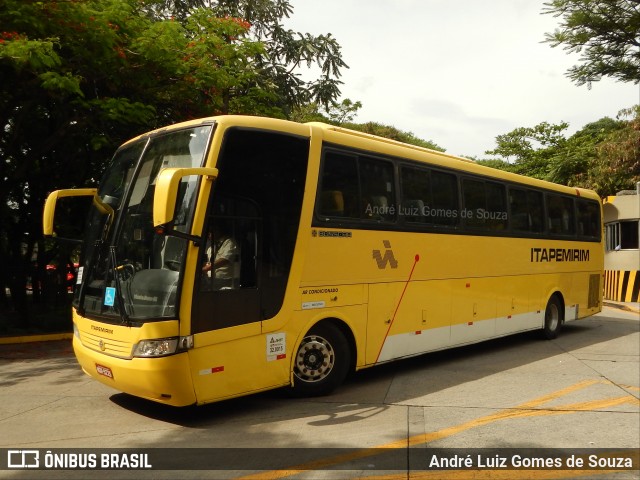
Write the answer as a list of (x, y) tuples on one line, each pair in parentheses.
[(35, 338), (620, 307)]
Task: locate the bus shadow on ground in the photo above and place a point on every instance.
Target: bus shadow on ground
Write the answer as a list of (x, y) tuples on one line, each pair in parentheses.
[(360, 397)]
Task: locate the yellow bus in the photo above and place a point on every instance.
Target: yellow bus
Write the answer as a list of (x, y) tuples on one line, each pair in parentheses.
[(232, 255)]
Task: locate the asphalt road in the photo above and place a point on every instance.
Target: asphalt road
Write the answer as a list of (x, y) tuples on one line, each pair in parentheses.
[(580, 391)]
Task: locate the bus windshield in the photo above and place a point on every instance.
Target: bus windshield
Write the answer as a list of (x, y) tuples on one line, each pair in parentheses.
[(129, 272)]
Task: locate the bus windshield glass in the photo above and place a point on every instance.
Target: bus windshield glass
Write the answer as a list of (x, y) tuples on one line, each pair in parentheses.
[(129, 272)]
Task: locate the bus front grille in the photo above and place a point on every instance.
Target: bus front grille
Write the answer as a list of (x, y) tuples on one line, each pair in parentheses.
[(108, 346)]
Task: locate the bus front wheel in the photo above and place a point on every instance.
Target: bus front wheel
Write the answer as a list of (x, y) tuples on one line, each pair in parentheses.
[(321, 362), (552, 318)]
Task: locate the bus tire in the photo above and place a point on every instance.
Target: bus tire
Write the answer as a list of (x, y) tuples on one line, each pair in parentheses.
[(552, 318), (321, 362)]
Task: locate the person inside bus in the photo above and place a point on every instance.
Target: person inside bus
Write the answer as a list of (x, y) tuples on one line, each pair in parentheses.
[(221, 258)]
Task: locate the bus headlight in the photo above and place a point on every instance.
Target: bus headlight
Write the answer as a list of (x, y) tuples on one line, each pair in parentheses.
[(162, 346)]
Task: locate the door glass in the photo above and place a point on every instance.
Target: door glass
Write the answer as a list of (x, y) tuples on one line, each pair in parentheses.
[(253, 218)]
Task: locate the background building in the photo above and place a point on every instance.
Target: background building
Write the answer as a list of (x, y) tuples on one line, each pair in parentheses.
[(622, 252)]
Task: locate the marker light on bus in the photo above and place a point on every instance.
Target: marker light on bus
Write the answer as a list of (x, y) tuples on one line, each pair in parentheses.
[(162, 347)]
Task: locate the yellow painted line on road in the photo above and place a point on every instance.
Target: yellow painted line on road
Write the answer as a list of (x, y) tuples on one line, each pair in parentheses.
[(558, 393), (630, 387), (526, 409)]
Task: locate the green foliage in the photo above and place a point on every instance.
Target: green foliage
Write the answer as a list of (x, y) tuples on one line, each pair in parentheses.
[(343, 113), (66, 83), (531, 148), (603, 155), (572, 164), (617, 162), (23, 53), (606, 34), (393, 133), (79, 77), (284, 51), (496, 163)]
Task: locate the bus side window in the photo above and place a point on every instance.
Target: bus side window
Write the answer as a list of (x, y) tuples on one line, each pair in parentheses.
[(588, 219), (416, 195), (496, 206), (535, 207), (560, 214), (339, 194), (378, 192), (520, 216), (444, 190), (486, 204), (526, 210), (332, 203)]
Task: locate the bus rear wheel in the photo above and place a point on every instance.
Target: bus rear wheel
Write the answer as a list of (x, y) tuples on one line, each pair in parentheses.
[(552, 318), (321, 362)]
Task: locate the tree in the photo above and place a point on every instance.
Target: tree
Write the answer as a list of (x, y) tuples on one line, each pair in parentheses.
[(393, 133), (605, 32), (603, 155), (496, 163), (80, 77), (529, 149), (573, 164), (617, 163), (342, 114), (284, 52), (334, 114)]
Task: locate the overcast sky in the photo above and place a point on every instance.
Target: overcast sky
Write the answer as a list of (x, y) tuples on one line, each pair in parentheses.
[(457, 72)]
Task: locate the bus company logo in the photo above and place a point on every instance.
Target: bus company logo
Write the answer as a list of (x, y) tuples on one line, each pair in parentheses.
[(387, 258), (23, 459)]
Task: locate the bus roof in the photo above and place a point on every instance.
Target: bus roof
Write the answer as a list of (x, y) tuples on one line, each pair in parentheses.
[(399, 149), (374, 143)]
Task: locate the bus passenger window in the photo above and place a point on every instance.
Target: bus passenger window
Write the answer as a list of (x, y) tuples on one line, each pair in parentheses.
[(416, 195), (485, 204), (526, 210), (377, 187), (444, 189), (339, 194), (496, 206), (474, 203), (536, 210), (560, 215), (588, 219), (520, 216), (332, 203)]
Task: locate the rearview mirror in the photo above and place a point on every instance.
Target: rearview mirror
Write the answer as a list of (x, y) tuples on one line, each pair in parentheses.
[(167, 184), (50, 205)]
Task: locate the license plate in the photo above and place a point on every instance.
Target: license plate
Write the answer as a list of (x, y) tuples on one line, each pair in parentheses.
[(102, 370)]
